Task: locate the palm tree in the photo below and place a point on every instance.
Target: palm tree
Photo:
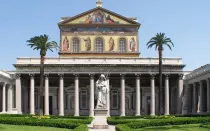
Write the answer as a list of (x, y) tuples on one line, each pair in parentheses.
[(42, 44), (159, 41)]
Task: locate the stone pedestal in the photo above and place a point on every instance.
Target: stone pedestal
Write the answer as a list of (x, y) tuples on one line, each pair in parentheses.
[(100, 119)]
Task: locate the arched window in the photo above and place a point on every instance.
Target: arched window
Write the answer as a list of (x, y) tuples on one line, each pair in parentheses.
[(75, 45), (122, 45), (99, 45)]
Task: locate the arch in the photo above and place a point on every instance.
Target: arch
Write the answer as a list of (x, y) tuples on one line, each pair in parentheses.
[(75, 45), (99, 45), (122, 45)]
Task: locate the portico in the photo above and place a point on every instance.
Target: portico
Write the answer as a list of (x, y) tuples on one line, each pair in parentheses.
[(72, 93), (197, 90)]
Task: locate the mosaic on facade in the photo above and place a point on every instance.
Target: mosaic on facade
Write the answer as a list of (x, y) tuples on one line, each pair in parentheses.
[(111, 44), (66, 44), (87, 44), (99, 17)]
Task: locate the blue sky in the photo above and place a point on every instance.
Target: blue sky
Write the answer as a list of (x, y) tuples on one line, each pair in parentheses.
[(186, 22)]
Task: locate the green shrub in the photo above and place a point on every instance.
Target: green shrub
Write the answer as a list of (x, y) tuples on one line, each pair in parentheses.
[(69, 124), (122, 127), (166, 122), (76, 119), (81, 128)]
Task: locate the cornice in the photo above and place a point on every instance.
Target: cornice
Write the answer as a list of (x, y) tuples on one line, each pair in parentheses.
[(97, 65)]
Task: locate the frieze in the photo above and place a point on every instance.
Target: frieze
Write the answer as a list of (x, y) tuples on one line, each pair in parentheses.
[(102, 69)]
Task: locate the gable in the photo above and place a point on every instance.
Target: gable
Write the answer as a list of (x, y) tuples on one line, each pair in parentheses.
[(98, 16)]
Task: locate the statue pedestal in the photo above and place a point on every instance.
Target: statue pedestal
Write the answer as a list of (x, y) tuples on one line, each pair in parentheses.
[(100, 119)]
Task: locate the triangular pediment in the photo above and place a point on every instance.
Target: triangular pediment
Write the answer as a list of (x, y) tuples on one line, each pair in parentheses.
[(98, 16)]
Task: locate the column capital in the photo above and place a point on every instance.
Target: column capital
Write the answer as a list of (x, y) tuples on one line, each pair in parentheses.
[(200, 82), (32, 75), (181, 76), (137, 76), (46, 76), (122, 76), (18, 76), (91, 76), (152, 76), (4, 84), (167, 76), (76, 76), (61, 76), (194, 84), (207, 79)]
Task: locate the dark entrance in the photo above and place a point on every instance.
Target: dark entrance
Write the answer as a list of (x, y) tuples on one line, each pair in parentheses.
[(50, 104)]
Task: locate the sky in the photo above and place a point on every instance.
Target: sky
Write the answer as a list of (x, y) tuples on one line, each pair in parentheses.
[(186, 22)]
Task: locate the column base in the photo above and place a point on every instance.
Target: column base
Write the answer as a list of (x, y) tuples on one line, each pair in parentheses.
[(137, 115), (152, 114), (61, 114), (166, 114)]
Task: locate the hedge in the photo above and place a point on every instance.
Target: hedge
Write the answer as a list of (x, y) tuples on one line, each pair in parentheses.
[(162, 122), (74, 119), (52, 116), (43, 122)]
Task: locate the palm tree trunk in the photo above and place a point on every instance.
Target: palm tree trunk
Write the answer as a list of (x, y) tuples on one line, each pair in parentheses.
[(41, 86), (160, 93)]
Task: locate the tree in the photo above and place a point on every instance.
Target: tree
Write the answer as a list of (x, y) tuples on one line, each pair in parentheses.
[(159, 41), (42, 44)]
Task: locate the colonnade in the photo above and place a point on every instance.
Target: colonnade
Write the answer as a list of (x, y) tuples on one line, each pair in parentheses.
[(91, 106), (7, 88), (196, 92)]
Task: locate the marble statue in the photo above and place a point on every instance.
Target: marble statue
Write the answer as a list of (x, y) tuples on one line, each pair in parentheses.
[(101, 91)]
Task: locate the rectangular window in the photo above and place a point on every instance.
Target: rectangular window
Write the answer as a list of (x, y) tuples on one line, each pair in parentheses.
[(83, 99), (114, 100)]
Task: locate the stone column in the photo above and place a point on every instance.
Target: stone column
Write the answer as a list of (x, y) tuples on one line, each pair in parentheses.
[(18, 94), (46, 95), (9, 99), (208, 96), (4, 97), (166, 95), (61, 106), (91, 95), (194, 98), (108, 96), (138, 95), (32, 112), (76, 96), (201, 96), (122, 95), (180, 91), (152, 104)]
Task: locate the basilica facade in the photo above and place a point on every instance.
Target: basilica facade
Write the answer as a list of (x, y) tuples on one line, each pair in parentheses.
[(92, 43)]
